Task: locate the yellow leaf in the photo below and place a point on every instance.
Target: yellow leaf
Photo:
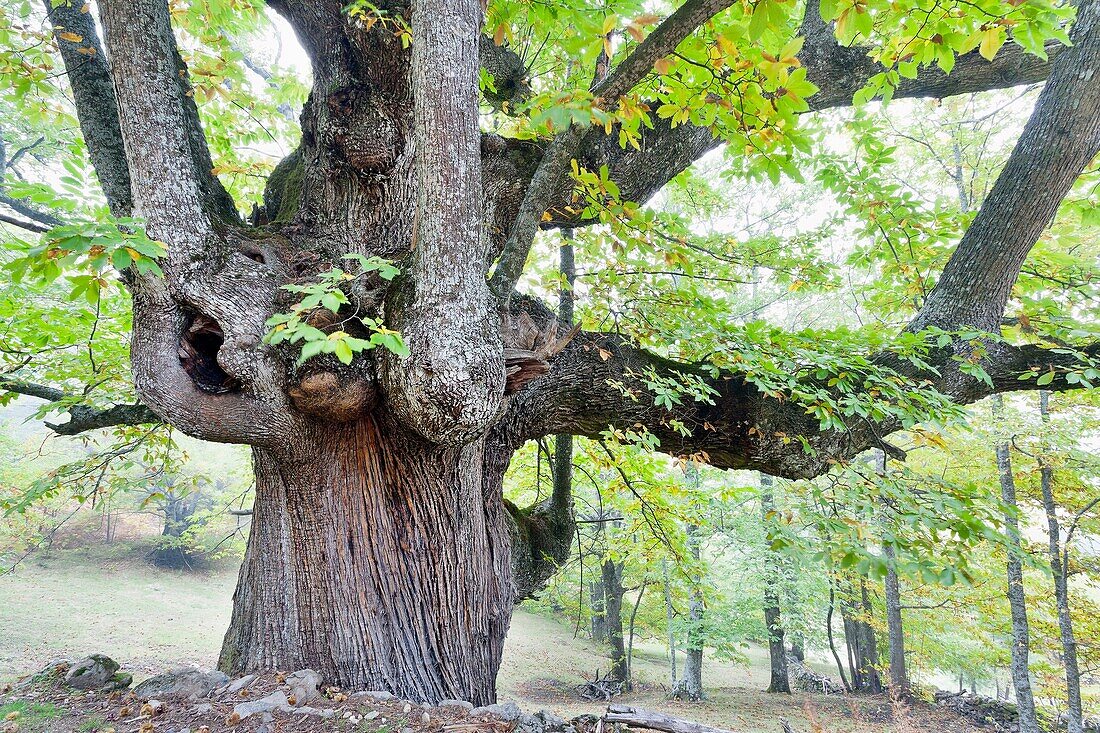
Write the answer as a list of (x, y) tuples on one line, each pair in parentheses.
[(991, 43), (604, 354), (635, 32), (86, 50), (610, 23), (662, 66), (546, 216), (70, 37), (499, 34), (647, 19)]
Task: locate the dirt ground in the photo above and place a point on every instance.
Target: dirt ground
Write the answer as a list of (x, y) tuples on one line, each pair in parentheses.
[(50, 707)]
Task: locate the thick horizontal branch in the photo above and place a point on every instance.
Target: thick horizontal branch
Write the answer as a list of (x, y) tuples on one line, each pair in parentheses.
[(597, 384), (81, 417)]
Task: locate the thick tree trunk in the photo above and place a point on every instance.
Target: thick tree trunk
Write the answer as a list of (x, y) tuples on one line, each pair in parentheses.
[(1021, 680), (379, 560), (1074, 714)]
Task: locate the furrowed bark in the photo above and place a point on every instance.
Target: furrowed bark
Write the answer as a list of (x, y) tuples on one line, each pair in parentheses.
[(376, 559)]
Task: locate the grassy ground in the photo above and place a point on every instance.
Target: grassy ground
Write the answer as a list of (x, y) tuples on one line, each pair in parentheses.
[(77, 602)]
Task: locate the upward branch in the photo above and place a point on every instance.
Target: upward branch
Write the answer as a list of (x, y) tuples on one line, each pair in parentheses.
[(838, 71), (549, 179), (94, 94), (1060, 139), (156, 122), (451, 386)]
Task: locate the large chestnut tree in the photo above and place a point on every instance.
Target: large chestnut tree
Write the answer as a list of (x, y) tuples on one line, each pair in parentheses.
[(361, 328)]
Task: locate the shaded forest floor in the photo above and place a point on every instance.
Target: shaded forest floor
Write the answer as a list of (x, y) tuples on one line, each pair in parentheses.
[(77, 602)]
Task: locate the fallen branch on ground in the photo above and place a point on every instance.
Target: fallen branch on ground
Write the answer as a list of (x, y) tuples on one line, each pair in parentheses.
[(638, 718)]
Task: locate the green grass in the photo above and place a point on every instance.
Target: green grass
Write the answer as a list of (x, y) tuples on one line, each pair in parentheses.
[(93, 723), (29, 716), (77, 602)]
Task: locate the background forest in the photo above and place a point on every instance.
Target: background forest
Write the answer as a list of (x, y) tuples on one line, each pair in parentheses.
[(683, 581)]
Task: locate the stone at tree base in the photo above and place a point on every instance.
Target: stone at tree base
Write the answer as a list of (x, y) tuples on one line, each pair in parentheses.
[(464, 704), (307, 710), (304, 685), (379, 695), (236, 685), (183, 682), (542, 722), (97, 672), (264, 705), (504, 710)]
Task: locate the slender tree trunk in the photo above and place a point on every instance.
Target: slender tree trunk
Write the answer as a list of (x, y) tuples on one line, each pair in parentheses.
[(668, 620), (859, 637), (630, 634), (773, 576), (613, 602), (690, 685), (895, 631), (598, 604), (381, 561), (1075, 717), (832, 640), (1021, 680)]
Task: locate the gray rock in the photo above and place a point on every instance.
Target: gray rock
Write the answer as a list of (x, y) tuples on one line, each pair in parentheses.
[(464, 704), (325, 713), (264, 705), (236, 685), (203, 709), (97, 672), (55, 670), (379, 695), (542, 722), (184, 682), (503, 710), (304, 685)]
